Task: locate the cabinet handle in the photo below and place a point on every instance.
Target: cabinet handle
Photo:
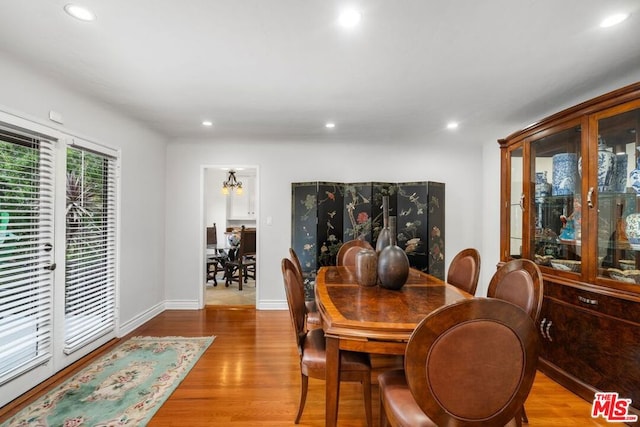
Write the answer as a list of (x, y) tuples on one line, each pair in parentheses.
[(542, 327), (522, 201), (589, 301), (589, 194), (547, 330)]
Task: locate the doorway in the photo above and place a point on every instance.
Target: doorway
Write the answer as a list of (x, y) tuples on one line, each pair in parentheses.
[(229, 203)]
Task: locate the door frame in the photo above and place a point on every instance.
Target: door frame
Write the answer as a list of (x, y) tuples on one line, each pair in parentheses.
[(203, 225)]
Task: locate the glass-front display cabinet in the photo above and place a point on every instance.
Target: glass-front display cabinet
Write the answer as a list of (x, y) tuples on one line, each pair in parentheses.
[(570, 195), (573, 196)]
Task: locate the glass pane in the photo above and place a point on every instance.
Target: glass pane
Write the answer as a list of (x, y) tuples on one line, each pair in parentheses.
[(26, 224), (618, 208), (515, 240), (90, 254), (556, 214)]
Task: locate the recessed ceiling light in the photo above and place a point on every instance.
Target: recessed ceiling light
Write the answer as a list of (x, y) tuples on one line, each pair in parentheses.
[(80, 12), (207, 123), (612, 20), (330, 125), (452, 125), (349, 18)]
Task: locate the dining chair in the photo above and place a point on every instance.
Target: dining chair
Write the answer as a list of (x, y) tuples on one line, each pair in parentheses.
[(464, 270), (519, 281), (347, 252), (311, 343), (471, 363), (313, 317), (241, 264)]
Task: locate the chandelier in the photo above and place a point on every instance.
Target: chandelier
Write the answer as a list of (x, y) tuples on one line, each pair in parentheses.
[(231, 183)]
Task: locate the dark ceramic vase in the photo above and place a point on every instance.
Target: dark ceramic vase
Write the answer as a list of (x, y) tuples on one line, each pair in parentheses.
[(367, 267), (393, 263), (384, 238)]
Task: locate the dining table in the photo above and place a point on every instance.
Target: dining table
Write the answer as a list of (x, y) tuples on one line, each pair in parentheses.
[(372, 319)]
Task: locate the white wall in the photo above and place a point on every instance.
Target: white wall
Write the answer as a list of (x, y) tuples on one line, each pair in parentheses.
[(142, 227), (215, 202), (280, 164)]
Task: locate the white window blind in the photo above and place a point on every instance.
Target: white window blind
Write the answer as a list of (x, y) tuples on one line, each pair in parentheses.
[(91, 247), (26, 236)]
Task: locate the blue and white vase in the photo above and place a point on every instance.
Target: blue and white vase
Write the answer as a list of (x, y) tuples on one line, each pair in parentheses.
[(632, 229), (606, 163), (620, 173), (634, 176), (565, 169), (543, 188)]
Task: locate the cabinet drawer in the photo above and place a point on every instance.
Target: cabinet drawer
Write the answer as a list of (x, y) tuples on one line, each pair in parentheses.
[(616, 307)]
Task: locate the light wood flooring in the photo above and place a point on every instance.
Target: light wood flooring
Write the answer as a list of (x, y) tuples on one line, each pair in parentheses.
[(250, 377)]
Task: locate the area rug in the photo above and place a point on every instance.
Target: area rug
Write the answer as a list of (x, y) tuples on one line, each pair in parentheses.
[(123, 388)]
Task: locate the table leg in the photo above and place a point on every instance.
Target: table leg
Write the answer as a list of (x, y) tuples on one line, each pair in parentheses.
[(332, 386)]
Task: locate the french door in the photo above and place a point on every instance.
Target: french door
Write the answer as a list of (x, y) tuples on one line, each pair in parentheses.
[(57, 252)]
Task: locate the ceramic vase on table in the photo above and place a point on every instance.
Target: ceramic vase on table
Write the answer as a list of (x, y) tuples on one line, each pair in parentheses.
[(367, 267), (384, 237), (393, 263), (632, 230), (565, 168)]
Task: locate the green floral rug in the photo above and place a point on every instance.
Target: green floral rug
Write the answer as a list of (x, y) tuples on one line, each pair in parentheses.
[(123, 388)]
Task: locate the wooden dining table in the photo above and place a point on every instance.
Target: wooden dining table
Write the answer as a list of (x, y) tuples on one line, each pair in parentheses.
[(372, 319)]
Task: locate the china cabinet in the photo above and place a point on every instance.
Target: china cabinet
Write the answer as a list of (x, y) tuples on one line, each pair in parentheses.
[(570, 199)]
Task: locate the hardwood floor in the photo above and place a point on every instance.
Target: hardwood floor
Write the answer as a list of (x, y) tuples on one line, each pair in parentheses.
[(250, 376)]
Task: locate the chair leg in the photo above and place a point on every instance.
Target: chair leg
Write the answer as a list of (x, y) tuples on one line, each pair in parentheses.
[(303, 397), (518, 417), (384, 422), (240, 270), (366, 390), (524, 416)]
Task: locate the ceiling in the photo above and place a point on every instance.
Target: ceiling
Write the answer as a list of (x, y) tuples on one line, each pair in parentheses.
[(280, 69)]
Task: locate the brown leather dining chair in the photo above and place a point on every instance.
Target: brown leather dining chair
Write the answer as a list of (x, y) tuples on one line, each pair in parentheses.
[(471, 363), (354, 366), (519, 281), (313, 317), (347, 252), (464, 270)]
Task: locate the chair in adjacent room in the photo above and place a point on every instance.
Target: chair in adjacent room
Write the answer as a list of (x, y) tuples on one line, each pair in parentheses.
[(313, 317), (216, 257), (311, 343), (464, 270), (241, 263), (519, 281), (347, 252), (471, 363)]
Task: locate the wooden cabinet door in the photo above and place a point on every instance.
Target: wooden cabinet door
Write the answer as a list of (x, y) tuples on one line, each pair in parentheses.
[(596, 348)]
